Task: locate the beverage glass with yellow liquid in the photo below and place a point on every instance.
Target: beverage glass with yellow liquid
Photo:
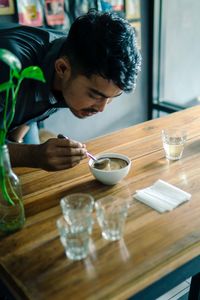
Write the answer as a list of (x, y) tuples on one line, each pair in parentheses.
[(173, 142)]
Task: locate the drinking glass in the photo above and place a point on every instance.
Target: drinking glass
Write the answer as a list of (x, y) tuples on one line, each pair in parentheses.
[(111, 215), (77, 209), (173, 142), (75, 239)]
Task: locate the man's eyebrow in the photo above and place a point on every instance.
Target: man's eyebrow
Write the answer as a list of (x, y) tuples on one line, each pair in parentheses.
[(102, 94)]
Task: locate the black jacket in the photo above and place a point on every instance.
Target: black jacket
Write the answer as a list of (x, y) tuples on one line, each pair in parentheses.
[(34, 47)]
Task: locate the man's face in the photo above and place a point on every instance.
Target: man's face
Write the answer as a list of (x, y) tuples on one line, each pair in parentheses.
[(87, 96)]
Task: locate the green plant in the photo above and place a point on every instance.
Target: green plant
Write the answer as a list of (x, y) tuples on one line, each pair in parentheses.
[(10, 91)]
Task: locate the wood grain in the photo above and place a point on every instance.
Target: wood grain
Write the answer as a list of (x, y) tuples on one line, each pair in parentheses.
[(32, 261)]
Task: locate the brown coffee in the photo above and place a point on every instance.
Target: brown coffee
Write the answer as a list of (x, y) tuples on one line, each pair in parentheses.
[(114, 164)]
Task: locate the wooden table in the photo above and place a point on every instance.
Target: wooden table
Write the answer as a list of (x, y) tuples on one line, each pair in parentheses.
[(156, 249)]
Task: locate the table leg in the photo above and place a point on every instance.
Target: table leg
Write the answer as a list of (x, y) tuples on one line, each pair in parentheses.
[(194, 293)]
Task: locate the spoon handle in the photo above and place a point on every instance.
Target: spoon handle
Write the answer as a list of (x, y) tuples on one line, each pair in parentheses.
[(91, 156), (87, 153)]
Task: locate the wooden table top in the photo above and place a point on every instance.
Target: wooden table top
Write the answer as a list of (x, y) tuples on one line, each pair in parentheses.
[(32, 261)]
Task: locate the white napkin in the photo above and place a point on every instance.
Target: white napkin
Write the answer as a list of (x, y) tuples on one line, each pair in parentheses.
[(162, 196)]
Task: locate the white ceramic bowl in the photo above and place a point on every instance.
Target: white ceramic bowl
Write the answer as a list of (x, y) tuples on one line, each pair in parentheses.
[(110, 177)]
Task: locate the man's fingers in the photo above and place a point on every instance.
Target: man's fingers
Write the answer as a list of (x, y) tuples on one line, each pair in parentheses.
[(63, 142), (58, 157), (68, 151)]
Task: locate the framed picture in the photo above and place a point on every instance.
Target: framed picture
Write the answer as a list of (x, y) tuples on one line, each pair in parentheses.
[(54, 11), (30, 12), (7, 7), (137, 28), (132, 9)]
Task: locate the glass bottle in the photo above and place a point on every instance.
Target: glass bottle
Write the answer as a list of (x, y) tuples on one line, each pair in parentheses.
[(12, 216)]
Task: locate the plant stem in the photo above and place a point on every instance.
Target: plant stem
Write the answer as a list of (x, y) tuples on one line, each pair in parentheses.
[(14, 98), (6, 125), (3, 186), (4, 130)]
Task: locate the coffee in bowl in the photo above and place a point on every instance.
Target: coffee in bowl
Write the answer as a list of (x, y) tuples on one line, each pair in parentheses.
[(116, 169), (114, 163)]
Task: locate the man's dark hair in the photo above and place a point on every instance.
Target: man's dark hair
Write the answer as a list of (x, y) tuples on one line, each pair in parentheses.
[(104, 44)]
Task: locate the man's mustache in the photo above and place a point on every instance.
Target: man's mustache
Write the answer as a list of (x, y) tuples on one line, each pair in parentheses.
[(90, 110)]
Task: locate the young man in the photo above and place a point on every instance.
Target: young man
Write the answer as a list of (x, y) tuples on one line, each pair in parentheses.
[(84, 71)]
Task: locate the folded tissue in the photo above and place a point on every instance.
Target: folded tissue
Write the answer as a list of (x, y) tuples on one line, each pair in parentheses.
[(162, 196)]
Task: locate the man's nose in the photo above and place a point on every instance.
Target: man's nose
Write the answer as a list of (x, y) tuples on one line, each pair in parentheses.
[(101, 106)]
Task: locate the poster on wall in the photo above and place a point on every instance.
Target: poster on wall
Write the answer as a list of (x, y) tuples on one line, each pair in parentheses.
[(54, 12), (30, 12), (7, 7)]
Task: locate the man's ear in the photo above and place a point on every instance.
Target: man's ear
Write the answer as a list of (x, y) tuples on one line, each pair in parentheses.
[(63, 68)]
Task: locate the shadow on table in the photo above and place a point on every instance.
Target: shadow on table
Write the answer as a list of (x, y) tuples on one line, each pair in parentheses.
[(192, 148)]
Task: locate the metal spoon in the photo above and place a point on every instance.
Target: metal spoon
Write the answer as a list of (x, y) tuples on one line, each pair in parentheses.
[(101, 163)]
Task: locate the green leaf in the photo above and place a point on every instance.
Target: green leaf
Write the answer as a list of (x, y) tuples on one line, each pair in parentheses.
[(10, 59), (33, 72), (6, 85), (16, 74)]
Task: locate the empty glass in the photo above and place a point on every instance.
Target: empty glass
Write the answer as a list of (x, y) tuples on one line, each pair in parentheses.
[(75, 239), (111, 215), (77, 209)]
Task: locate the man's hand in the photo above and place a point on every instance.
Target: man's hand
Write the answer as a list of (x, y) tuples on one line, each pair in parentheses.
[(59, 154), (53, 155)]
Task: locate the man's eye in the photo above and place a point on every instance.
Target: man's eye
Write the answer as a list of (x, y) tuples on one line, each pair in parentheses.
[(91, 96), (95, 97)]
